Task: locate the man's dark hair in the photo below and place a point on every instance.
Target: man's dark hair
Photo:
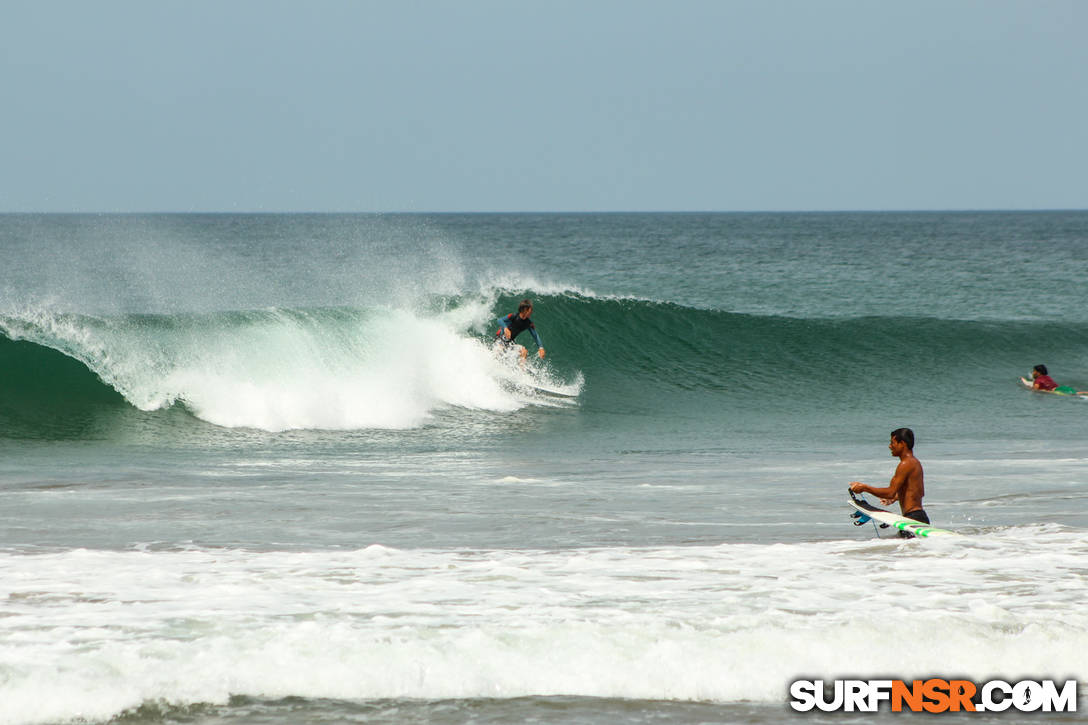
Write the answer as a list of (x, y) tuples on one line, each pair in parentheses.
[(1041, 369), (525, 305), (904, 435)]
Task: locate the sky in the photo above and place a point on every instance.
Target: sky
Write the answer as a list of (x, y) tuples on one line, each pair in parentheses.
[(542, 105)]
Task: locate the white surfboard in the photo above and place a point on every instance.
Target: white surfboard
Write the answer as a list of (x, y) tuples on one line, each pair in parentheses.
[(534, 382), (894, 521), (548, 390)]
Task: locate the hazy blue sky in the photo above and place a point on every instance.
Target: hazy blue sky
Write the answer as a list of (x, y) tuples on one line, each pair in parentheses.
[(467, 105)]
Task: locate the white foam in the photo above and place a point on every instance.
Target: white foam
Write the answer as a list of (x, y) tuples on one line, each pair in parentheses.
[(92, 633), (395, 373)]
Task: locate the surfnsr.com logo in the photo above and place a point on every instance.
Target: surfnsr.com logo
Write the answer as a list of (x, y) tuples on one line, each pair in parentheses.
[(934, 695)]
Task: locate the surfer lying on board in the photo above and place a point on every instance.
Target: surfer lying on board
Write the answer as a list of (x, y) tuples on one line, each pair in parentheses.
[(1041, 381), (908, 483), (513, 325)]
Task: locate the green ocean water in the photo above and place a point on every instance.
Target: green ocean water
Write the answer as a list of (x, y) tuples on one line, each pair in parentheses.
[(304, 412)]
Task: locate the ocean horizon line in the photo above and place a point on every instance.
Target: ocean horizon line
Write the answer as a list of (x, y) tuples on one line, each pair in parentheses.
[(539, 212)]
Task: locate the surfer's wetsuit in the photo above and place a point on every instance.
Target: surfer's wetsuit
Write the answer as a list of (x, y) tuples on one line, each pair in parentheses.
[(516, 325)]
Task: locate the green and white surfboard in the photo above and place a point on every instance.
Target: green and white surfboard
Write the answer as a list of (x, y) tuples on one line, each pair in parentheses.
[(1063, 390), (894, 521)]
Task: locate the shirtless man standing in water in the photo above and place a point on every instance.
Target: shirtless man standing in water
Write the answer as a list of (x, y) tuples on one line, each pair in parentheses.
[(908, 484)]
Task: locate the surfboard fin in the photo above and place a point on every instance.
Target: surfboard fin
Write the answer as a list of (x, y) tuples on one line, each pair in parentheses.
[(861, 519)]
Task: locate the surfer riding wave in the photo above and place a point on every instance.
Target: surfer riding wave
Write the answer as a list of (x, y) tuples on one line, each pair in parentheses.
[(512, 325)]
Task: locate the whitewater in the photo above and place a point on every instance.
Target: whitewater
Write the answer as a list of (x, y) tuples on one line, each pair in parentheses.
[(722, 623)]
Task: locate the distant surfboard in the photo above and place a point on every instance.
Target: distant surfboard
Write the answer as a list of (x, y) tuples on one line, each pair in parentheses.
[(894, 521), (1030, 386)]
